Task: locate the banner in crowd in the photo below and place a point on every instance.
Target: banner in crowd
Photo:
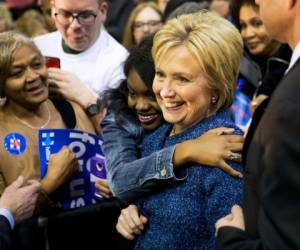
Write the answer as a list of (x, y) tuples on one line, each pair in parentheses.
[(80, 189), (240, 106)]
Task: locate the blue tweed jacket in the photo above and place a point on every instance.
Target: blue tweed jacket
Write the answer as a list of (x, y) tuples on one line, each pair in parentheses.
[(182, 216)]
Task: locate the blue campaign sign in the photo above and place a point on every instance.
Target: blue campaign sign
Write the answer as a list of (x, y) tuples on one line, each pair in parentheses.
[(240, 106), (80, 189)]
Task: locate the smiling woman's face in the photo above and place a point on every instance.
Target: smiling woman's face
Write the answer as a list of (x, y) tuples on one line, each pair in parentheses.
[(181, 89), (254, 32), (26, 84), (143, 102)]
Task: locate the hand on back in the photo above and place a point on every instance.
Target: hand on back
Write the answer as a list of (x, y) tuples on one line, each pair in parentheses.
[(217, 146), (20, 198)]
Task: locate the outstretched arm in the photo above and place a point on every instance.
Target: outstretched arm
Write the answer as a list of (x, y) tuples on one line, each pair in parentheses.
[(19, 198), (130, 177), (213, 148)]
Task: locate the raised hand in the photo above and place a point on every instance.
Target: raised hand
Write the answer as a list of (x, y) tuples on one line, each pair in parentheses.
[(70, 87)]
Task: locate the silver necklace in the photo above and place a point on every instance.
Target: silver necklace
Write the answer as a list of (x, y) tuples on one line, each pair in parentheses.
[(36, 128)]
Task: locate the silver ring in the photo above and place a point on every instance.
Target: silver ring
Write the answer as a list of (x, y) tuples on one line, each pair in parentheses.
[(233, 156)]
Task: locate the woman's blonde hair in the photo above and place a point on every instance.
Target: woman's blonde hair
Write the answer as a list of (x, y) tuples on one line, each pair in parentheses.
[(216, 44), (10, 41), (31, 23), (128, 39)]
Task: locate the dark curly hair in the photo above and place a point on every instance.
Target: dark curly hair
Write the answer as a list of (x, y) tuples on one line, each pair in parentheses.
[(140, 60)]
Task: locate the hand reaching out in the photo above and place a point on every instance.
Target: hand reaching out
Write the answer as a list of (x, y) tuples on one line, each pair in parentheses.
[(20, 198)]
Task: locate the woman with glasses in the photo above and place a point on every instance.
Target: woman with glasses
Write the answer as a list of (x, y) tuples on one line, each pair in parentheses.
[(145, 19)]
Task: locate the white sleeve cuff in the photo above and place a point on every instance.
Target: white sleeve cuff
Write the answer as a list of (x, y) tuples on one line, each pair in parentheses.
[(8, 215)]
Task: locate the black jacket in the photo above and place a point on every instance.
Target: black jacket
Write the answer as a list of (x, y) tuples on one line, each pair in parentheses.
[(5, 233), (274, 69), (117, 16), (272, 176)]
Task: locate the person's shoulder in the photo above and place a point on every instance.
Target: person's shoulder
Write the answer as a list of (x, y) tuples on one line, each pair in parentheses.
[(289, 88), (121, 122), (161, 132), (46, 37), (49, 43), (222, 118), (112, 44)]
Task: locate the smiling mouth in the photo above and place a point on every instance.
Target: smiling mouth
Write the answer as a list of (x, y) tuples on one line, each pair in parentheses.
[(36, 90), (253, 45), (173, 106), (147, 119)]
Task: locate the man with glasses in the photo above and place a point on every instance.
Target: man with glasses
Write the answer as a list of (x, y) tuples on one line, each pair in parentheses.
[(89, 56)]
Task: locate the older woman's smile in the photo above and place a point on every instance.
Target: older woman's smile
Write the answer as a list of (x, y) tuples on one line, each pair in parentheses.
[(182, 92)]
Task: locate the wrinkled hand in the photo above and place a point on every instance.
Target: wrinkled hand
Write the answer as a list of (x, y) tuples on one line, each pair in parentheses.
[(70, 86), (20, 199), (103, 188), (215, 147), (130, 223), (234, 219), (61, 167)]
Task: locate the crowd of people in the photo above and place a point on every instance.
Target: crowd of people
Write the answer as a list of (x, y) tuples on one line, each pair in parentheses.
[(196, 103)]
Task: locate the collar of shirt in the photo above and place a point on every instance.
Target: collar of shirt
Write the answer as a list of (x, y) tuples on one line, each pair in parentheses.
[(294, 58)]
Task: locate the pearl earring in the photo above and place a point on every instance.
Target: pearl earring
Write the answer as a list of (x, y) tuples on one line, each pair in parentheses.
[(213, 100)]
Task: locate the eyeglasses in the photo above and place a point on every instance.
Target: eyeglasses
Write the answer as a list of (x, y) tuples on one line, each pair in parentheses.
[(84, 18), (151, 23)]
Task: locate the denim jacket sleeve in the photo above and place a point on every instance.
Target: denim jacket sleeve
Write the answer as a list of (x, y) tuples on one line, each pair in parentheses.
[(129, 177)]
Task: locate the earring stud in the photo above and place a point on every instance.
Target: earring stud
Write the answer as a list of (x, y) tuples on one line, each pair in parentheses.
[(214, 100)]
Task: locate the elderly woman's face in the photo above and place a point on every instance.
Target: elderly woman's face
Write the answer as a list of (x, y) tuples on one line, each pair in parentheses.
[(27, 81), (181, 90)]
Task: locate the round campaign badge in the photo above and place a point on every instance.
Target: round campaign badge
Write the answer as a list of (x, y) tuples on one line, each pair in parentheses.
[(15, 143)]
